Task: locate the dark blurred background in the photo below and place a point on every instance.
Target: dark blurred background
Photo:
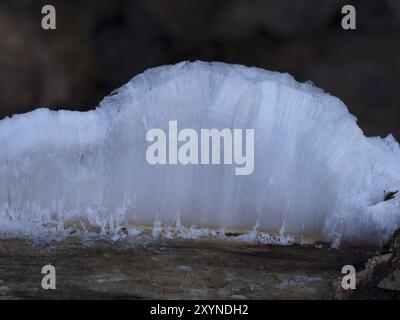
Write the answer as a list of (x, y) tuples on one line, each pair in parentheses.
[(100, 45)]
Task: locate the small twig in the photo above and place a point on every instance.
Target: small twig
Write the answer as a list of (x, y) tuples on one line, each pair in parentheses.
[(390, 195)]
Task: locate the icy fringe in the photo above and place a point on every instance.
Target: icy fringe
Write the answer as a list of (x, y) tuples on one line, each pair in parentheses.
[(44, 235), (316, 174)]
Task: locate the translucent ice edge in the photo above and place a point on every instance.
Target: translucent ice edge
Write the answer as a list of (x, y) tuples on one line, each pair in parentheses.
[(137, 235)]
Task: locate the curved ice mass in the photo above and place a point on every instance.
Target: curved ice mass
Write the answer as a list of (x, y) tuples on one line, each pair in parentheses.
[(315, 172)]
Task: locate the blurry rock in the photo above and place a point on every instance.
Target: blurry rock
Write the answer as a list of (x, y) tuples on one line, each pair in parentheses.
[(373, 268), (380, 277), (391, 282)]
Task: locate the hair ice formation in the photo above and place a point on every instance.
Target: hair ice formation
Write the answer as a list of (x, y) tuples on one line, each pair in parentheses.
[(315, 173)]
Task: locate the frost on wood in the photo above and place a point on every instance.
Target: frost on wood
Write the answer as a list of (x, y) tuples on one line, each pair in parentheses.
[(315, 173)]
